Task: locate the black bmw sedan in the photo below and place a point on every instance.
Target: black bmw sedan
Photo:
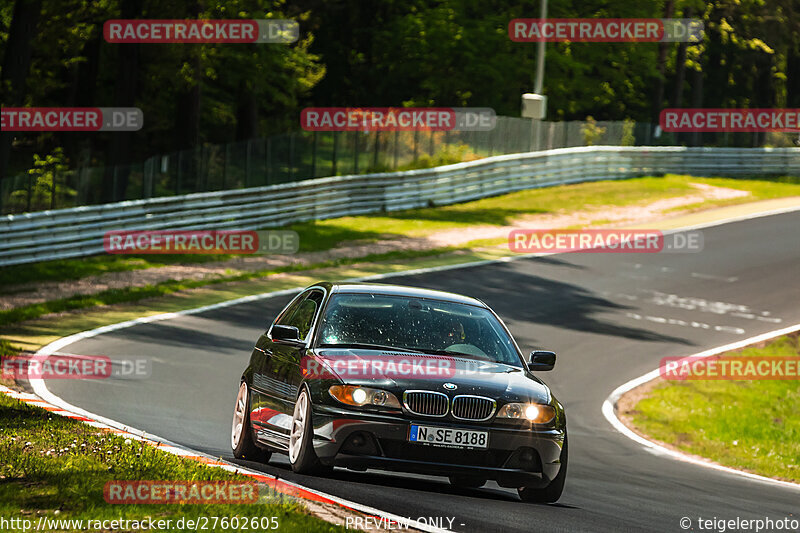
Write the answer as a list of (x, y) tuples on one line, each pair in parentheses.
[(361, 376)]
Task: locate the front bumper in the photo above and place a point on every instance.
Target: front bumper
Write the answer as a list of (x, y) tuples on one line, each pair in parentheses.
[(515, 456)]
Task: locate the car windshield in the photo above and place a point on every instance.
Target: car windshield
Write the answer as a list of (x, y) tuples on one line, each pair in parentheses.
[(418, 324)]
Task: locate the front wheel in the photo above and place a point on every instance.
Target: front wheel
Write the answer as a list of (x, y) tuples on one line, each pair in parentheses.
[(301, 437), (242, 441), (552, 492)]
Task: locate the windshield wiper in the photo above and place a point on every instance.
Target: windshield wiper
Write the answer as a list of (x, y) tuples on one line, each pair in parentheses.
[(366, 346), (460, 354)]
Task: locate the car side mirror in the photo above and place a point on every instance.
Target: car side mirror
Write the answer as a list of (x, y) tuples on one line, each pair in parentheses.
[(542, 360), (285, 333)]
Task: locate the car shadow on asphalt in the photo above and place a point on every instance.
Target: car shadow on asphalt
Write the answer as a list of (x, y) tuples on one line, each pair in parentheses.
[(513, 290), (333, 482)]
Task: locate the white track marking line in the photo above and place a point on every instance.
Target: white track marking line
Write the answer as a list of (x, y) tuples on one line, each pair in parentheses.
[(728, 279), (179, 450), (609, 410)]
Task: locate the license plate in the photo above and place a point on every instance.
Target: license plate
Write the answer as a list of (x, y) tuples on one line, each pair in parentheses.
[(450, 437)]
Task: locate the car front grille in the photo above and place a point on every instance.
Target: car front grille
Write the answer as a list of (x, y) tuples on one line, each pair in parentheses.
[(426, 403), (473, 407)]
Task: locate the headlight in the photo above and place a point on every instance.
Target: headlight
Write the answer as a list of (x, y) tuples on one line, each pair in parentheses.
[(360, 396), (535, 412)]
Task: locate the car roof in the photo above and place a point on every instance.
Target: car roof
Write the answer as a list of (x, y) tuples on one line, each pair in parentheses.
[(402, 290)]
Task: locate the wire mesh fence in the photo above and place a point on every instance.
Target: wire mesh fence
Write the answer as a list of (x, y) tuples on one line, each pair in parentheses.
[(304, 155)]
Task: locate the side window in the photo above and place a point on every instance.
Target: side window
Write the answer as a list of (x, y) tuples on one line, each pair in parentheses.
[(286, 314), (301, 314)]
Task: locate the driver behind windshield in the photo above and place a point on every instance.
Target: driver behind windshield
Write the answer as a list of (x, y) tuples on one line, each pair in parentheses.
[(455, 333)]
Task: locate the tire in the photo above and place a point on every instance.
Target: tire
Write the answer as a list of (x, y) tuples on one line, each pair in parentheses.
[(242, 439), (467, 482), (301, 437), (552, 492)]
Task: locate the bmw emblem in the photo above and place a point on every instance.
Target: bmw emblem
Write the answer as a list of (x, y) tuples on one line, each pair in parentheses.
[(450, 386)]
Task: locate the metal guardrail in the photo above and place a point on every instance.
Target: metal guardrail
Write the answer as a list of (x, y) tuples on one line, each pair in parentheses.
[(78, 232)]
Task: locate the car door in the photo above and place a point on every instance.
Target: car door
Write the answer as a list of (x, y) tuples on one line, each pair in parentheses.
[(278, 376), (265, 414)]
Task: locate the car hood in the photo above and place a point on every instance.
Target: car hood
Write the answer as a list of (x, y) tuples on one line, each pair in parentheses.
[(401, 371)]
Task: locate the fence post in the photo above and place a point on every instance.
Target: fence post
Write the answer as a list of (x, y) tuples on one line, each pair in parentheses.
[(335, 147), (396, 135), (530, 137), (145, 166), (247, 164), (53, 190), (30, 191), (355, 153), (177, 176), (416, 137), (114, 186), (377, 147), (269, 160), (225, 168), (291, 156), (314, 155), (205, 159)]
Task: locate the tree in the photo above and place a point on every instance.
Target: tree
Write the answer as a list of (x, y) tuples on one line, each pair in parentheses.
[(16, 62)]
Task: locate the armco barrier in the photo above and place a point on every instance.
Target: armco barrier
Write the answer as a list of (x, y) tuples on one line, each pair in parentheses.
[(78, 232)]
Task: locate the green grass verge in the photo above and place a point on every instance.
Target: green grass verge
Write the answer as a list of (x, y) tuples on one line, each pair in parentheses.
[(33, 334), (759, 189), (499, 210), (70, 269), (749, 425), (505, 209), (57, 467), (135, 294), (7, 349)]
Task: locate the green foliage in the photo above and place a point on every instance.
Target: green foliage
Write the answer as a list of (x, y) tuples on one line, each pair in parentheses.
[(591, 131), (628, 138), (7, 349), (449, 154), (60, 466), (43, 181), (392, 53)]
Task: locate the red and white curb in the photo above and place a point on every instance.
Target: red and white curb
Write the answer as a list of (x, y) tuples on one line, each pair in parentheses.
[(610, 411), (42, 397), (286, 488), (47, 400)]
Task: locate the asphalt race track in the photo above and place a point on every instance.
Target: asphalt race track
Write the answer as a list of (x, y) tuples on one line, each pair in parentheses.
[(610, 318)]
